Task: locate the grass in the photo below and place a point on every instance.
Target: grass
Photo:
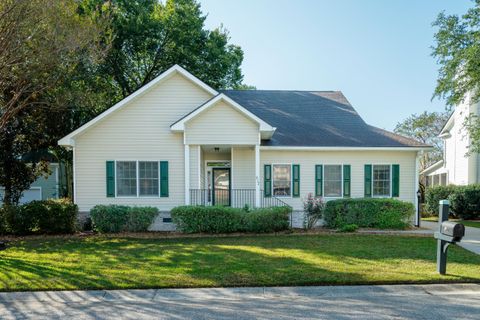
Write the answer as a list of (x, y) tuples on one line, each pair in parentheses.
[(467, 223), (110, 263)]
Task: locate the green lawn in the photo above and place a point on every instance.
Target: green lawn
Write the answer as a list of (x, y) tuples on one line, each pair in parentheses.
[(467, 223), (101, 262)]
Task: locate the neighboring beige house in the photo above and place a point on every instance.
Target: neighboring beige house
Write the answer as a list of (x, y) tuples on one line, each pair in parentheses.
[(457, 167), (177, 141)]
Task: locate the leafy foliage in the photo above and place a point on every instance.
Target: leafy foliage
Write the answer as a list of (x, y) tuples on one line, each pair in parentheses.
[(348, 228), (434, 194), (368, 213), (313, 208), (425, 128), (465, 202), (194, 219), (116, 218), (40, 217), (457, 49)]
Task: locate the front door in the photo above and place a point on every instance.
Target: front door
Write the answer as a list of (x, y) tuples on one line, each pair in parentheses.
[(221, 186)]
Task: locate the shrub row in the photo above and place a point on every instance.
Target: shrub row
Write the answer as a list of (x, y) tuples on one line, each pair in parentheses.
[(368, 213), (464, 200), (39, 217), (117, 218), (194, 219)]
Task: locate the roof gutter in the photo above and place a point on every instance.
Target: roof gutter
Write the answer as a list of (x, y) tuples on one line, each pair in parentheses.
[(286, 148)]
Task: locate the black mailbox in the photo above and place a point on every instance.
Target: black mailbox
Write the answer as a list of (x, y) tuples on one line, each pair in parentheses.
[(453, 229)]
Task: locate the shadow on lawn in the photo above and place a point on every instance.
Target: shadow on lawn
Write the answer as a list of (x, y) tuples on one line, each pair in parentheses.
[(95, 263)]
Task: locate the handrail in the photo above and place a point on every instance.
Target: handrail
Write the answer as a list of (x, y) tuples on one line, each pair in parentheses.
[(237, 198)]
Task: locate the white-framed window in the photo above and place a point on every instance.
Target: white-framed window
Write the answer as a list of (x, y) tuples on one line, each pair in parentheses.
[(126, 172), (381, 180), (282, 180), (148, 178), (137, 178), (332, 181)]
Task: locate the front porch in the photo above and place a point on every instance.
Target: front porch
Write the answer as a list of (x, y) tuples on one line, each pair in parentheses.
[(226, 176)]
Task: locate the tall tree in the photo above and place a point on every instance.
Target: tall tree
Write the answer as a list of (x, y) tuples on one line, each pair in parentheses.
[(457, 50), (150, 36), (41, 43), (425, 128)]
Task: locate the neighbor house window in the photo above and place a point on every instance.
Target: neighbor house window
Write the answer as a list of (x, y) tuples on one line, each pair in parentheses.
[(332, 180), (381, 180), (282, 180), (126, 178), (148, 178)]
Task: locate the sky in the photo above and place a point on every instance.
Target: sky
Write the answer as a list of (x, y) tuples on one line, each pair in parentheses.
[(377, 52)]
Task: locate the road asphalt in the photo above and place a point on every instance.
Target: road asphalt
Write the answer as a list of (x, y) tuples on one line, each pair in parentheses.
[(445, 301)]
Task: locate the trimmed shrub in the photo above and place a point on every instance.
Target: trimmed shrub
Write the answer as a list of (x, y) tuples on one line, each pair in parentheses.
[(267, 219), (465, 202), (41, 217), (216, 219), (194, 219), (433, 195), (140, 218), (368, 213), (117, 218)]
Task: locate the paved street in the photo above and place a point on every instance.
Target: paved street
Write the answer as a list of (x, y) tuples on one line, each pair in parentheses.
[(339, 302)]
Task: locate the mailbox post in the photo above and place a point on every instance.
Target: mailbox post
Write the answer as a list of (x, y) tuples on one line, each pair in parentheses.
[(448, 233)]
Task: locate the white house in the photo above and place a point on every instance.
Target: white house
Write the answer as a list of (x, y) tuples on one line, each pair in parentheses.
[(178, 141), (457, 167)]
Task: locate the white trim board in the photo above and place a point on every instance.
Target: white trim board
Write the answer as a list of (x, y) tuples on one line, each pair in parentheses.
[(68, 140)]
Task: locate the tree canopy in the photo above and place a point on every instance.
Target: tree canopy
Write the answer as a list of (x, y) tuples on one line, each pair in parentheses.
[(425, 128), (457, 50)]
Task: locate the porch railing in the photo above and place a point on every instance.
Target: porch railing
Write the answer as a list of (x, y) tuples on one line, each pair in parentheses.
[(237, 198)]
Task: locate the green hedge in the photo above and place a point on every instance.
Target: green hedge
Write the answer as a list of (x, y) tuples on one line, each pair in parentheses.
[(433, 195), (39, 217), (194, 219), (368, 213), (464, 200), (116, 218)]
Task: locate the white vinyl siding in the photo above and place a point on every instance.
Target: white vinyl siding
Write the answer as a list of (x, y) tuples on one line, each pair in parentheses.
[(141, 130), (357, 160), (221, 124), (243, 168)]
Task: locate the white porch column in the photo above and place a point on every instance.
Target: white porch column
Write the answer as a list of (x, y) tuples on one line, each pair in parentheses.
[(257, 175), (187, 174)]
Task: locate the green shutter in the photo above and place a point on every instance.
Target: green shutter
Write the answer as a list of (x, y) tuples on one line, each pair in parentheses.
[(319, 180), (368, 180), (395, 180), (110, 179), (267, 180), (346, 180), (296, 180), (163, 178)]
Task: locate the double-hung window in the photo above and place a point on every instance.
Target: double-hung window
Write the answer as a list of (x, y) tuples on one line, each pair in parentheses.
[(137, 178), (381, 180), (282, 180), (332, 181), (127, 178)]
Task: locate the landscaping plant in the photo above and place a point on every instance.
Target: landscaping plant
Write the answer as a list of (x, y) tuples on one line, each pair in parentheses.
[(313, 208), (368, 213), (117, 218)]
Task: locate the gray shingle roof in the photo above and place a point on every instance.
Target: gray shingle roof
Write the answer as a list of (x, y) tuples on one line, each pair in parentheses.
[(315, 119)]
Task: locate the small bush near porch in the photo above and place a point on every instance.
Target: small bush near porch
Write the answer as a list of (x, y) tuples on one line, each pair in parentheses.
[(216, 219), (112, 263)]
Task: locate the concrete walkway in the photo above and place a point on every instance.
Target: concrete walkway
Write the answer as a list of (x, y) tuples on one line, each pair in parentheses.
[(452, 301), (471, 241)]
